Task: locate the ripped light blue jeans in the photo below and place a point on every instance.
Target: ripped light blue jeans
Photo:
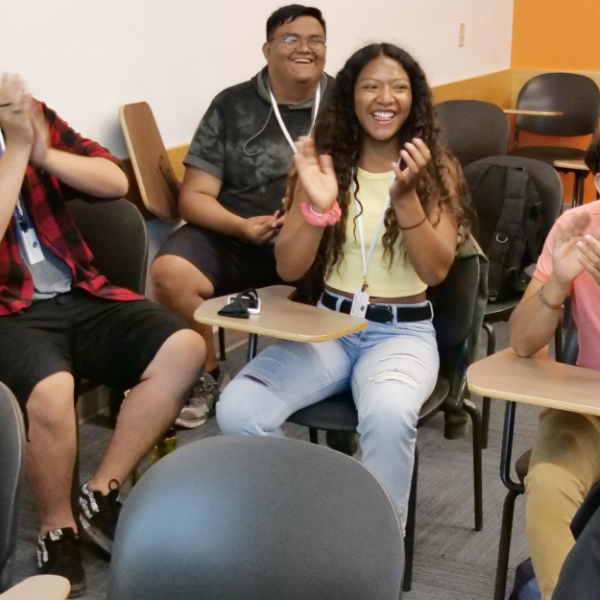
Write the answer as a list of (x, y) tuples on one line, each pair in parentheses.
[(391, 368)]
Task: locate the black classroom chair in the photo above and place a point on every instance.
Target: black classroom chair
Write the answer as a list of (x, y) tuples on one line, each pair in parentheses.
[(473, 129), (577, 97)]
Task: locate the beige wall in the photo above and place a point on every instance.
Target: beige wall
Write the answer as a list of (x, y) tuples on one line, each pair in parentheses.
[(86, 58)]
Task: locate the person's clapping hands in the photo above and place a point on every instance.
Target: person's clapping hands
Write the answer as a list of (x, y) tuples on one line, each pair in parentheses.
[(416, 157), (316, 175), (575, 251), (15, 106), (41, 134), (588, 254)]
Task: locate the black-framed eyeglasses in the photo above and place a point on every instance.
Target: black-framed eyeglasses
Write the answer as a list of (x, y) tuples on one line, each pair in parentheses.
[(293, 43)]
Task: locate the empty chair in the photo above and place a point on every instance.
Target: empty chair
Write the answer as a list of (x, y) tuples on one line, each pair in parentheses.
[(473, 129), (575, 96), (255, 518), (578, 99)]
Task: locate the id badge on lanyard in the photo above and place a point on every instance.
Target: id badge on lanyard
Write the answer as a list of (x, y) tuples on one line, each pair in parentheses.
[(25, 230), (28, 236)]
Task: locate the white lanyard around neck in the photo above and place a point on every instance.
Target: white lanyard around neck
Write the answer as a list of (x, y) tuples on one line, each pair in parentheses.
[(288, 137), (361, 234)]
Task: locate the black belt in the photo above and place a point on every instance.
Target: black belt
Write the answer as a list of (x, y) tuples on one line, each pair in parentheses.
[(382, 313)]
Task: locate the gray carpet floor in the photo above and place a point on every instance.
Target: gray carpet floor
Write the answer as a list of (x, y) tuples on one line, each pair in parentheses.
[(452, 561)]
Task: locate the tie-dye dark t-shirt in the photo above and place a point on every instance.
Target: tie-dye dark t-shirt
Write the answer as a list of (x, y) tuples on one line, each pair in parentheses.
[(240, 141)]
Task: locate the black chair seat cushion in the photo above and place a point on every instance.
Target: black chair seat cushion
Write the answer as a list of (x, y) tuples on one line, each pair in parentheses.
[(338, 413), (549, 154)]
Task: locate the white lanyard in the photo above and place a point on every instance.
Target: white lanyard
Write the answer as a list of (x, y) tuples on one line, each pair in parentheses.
[(366, 258), (288, 137)]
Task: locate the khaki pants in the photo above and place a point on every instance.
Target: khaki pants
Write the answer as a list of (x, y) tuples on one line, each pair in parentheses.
[(565, 464)]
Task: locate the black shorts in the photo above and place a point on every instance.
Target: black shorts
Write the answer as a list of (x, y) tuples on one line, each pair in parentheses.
[(93, 338), (230, 264)]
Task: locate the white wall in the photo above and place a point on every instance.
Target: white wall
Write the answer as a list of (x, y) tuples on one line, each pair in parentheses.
[(87, 57)]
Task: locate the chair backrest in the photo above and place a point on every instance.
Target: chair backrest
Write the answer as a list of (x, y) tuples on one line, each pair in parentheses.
[(115, 232), (257, 517), (577, 97), (159, 187), (473, 129), (12, 448), (547, 183), (454, 303)]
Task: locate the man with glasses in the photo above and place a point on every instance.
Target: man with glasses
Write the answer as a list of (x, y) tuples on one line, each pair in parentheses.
[(235, 181)]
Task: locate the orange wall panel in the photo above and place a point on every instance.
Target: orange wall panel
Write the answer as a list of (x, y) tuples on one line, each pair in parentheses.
[(556, 34)]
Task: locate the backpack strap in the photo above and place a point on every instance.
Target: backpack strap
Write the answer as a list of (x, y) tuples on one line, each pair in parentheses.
[(507, 227)]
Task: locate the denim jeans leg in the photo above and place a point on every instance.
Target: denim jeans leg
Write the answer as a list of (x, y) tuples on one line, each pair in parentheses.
[(391, 381), (284, 378)]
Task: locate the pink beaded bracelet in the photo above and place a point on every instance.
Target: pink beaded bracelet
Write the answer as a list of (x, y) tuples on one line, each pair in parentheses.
[(331, 217)]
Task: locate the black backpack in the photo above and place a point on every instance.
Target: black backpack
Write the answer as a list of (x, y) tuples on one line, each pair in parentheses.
[(509, 215)]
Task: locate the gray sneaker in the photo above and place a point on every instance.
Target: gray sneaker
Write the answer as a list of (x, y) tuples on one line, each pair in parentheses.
[(201, 405)]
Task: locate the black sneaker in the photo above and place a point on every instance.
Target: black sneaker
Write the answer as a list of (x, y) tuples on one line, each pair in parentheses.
[(98, 515), (59, 553)]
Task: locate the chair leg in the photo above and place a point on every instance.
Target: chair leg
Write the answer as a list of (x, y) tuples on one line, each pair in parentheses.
[(313, 435), (342, 441), (504, 546), (485, 423), (477, 463), (115, 399), (222, 355), (558, 343), (409, 536)]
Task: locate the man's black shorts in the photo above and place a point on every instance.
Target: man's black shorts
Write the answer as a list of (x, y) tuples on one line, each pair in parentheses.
[(93, 338), (231, 265)]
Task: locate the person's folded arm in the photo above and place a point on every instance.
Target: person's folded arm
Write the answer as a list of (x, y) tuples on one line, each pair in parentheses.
[(93, 175)]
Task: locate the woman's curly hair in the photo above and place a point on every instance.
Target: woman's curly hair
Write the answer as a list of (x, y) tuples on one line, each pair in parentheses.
[(338, 133)]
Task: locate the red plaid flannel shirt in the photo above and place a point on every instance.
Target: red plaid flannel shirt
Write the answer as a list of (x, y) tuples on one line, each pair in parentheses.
[(55, 228)]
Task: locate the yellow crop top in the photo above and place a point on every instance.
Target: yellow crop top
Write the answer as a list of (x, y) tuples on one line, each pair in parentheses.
[(384, 282)]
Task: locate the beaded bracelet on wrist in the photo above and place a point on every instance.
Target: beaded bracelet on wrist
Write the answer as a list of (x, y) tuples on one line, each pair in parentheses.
[(548, 304)]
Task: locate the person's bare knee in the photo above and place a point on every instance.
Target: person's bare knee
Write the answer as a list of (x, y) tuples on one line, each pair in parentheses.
[(179, 361), (52, 402), (172, 276)]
